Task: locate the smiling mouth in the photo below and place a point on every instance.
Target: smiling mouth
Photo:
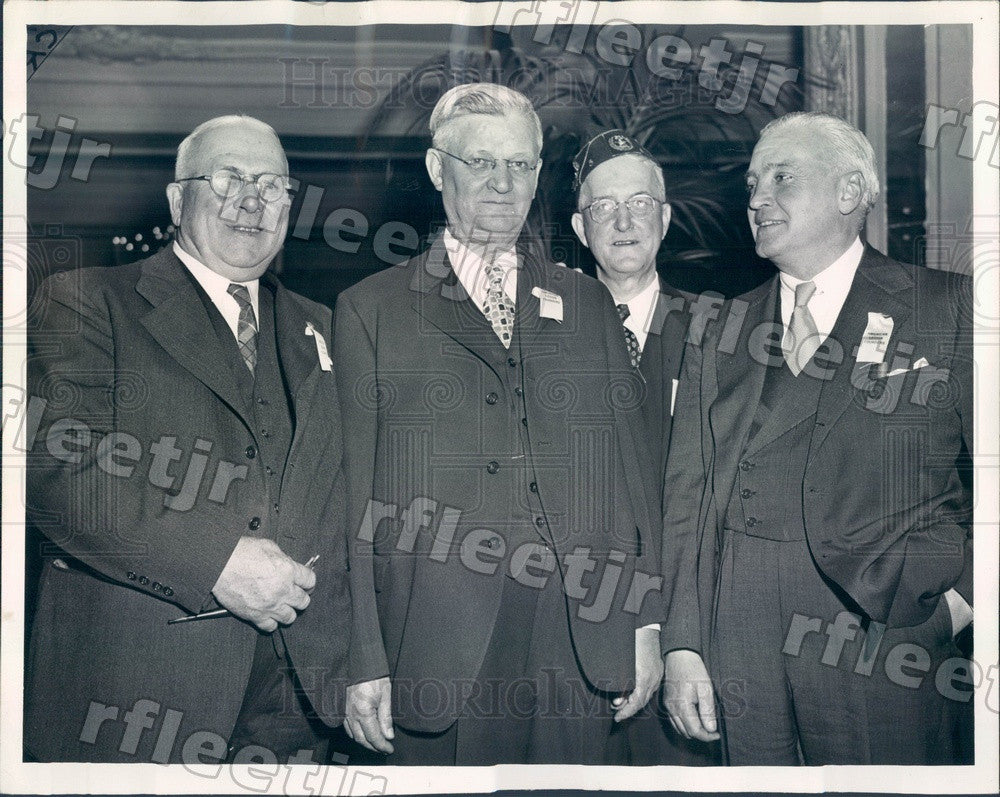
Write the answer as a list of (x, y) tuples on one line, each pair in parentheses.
[(770, 223), (625, 242), (246, 230)]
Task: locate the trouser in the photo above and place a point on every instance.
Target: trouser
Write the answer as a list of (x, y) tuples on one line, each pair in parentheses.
[(802, 678), (275, 714), (529, 704)]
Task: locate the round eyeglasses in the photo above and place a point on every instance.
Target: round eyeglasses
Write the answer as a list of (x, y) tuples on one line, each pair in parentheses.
[(228, 183), (640, 206), (481, 165)]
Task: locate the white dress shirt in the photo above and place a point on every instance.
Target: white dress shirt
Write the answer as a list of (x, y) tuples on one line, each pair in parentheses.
[(217, 288), (640, 311), (832, 286), (471, 270)]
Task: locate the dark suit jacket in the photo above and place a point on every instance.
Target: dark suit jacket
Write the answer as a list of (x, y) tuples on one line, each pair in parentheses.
[(886, 515), (131, 351), (426, 409), (661, 364)]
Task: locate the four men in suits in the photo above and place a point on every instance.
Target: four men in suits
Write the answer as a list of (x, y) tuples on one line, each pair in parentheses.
[(190, 410), (813, 488), (512, 583), (504, 501)]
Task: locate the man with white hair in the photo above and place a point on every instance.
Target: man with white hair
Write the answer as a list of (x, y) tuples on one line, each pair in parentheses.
[(814, 479), (190, 413), (498, 479)]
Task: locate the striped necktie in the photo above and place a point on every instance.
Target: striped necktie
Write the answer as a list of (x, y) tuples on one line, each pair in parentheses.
[(246, 330)]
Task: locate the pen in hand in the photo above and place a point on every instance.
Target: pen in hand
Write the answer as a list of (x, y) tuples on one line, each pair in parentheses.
[(213, 613)]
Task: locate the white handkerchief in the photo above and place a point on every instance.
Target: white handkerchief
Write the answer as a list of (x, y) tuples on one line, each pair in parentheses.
[(673, 395), (921, 363), (875, 340), (325, 363), (551, 304)]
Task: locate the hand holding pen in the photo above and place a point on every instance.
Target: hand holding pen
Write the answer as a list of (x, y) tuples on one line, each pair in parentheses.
[(262, 585)]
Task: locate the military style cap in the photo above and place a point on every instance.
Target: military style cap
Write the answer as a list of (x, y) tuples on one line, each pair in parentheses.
[(603, 147)]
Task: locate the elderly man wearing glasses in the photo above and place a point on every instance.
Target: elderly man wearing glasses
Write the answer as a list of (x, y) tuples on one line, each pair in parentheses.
[(180, 481), (622, 217), (505, 504)]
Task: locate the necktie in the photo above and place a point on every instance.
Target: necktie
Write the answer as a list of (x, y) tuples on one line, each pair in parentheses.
[(631, 341), (801, 339), (498, 308), (246, 328)]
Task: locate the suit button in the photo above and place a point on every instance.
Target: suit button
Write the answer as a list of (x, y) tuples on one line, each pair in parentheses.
[(143, 580), (746, 493), (493, 542), (251, 452), (167, 591), (492, 398), (156, 586), (265, 433), (254, 524), (745, 466), (130, 576), (512, 362), (533, 487), (518, 392), (524, 421), (493, 467), (539, 521), (262, 402), (268, 470), (751, 522)]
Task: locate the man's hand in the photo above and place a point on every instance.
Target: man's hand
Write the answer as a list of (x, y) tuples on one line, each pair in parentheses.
[(648, 674), (369, 714), (263, 586), (960, 611), (687, 696)]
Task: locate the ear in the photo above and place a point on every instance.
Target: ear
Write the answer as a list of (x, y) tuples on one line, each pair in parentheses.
[(579, 228), (175, 197), (850, 192), (665, 214), (432, 160)]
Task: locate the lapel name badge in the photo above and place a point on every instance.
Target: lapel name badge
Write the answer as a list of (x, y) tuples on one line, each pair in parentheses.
[(325, 363), (875, 340), (550, 304)]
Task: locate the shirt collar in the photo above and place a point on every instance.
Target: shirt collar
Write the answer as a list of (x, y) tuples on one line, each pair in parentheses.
[(470, 269), (835, 278), (215, 285)]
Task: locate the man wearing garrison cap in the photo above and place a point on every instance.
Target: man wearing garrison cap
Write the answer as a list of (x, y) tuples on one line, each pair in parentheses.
[(622, 216)]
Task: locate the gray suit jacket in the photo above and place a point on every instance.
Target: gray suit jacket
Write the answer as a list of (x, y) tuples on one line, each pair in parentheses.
[(886, 514)]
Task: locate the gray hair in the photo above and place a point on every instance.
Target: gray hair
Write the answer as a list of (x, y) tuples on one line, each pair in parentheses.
[(487, 99), (850, 149), (189, 146)]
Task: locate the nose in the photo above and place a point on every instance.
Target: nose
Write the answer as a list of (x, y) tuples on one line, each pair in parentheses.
[(500, 179), (623, 218), (248, 199), (758, 197)]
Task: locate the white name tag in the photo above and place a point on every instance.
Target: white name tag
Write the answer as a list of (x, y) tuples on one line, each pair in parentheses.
[(875, 340), (325, 363), (551, 304)]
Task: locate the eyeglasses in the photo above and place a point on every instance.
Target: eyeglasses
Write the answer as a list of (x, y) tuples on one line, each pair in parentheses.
[(640, 206), (228, 183), (481, 165)]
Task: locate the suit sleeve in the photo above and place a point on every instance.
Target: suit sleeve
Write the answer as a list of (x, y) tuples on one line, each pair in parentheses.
[(77, 493), (355, 367), (685, 485)]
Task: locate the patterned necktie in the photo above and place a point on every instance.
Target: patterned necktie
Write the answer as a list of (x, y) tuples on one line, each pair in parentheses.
[(631, 341), (246, 329), (499, 310), (801, 339)]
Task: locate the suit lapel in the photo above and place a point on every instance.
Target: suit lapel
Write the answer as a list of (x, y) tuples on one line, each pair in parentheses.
[(297, 353), (879, 286), (740, 377), (179, 322)]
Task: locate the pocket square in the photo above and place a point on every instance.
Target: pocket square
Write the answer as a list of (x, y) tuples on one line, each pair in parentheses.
[(921, 363)]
